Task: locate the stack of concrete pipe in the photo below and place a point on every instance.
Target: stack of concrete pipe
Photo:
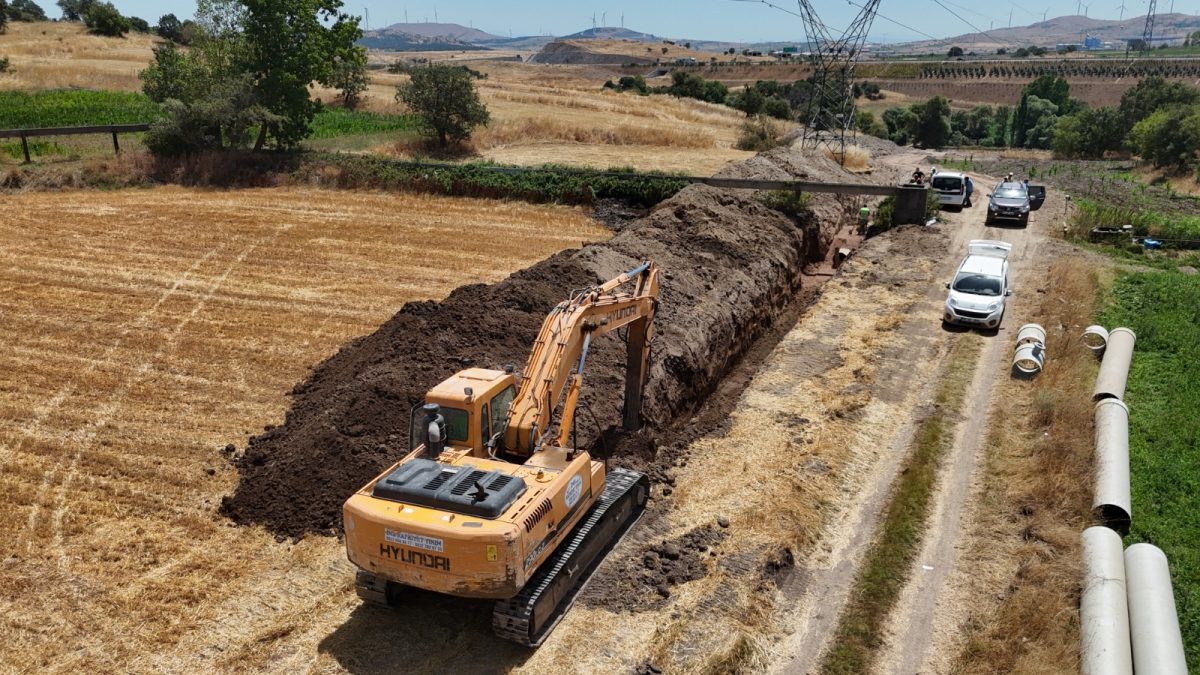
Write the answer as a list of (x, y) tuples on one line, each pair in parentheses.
[(1030, 354), (1127, 611)]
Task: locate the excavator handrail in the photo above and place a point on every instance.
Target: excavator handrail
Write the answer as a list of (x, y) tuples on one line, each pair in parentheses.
[(562, 344)]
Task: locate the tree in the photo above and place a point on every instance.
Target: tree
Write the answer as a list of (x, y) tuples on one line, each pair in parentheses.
[(74, 10), (1151, 94), (955, 51), (169, 28), (1000, 127), (1169, 137), (291, 43), (1001, 51), (138, 24), (900, 123), (868, 124), (1087, 134), (750, 101), (25, 10), (3, 16), (350, 76), (932, 128), (174, 74), (777, 108), (102, 18), (445, 100)]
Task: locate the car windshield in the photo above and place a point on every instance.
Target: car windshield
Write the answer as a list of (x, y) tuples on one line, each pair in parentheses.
[(1010, 193), (977, 284), (946, 183)]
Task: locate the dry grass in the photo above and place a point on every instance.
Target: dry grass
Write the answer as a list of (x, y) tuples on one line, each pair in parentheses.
[(1037, 497), (145, 329), (61, 55), (857, 160), (524, 131)]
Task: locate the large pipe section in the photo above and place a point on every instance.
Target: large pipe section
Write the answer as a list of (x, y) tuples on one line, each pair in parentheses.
[(1114, 368), (1103, 612), (1157, 642), (1111, 501), (1095, 338)]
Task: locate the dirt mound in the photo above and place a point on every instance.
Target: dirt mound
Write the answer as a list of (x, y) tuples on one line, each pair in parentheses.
[(644, 581), (578, 52), (729, 266)]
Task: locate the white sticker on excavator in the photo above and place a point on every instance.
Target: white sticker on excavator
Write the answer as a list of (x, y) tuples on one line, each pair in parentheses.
[(414, 540), (574, 490)]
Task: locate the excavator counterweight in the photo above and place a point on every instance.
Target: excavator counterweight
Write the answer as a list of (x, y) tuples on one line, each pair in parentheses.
[(487, 503)]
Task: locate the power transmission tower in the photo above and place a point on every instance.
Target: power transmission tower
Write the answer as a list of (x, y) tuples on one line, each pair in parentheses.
[(830, 111), (1148, 33)]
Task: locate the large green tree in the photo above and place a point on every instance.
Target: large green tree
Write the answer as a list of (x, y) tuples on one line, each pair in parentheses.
[(102, 18), (74, 10), (1169, 137), (349, 75), (25, 10), (932, 127), (1152, 94), (291, 44), (444, 99), (3, 16), (1087, 134)]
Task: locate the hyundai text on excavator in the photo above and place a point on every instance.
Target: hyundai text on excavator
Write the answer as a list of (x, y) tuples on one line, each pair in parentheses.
[(489, 503)]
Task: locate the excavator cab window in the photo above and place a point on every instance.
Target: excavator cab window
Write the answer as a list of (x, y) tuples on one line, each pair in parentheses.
[(485, 424), (457, 424), (500, 404)]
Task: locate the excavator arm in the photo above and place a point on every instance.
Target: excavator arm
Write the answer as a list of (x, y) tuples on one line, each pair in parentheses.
[(559, 355)]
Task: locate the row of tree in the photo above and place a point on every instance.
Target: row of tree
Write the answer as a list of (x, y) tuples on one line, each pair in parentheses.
[(1157, 119)]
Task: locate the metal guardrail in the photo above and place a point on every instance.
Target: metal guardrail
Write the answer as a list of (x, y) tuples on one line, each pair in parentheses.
[(114, 129)]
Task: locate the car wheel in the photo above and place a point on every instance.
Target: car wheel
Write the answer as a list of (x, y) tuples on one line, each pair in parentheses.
[(1025, 221)]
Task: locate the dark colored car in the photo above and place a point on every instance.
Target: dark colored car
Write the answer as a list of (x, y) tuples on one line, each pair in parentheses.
[(1014, 201)]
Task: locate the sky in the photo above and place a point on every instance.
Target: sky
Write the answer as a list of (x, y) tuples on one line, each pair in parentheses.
[(727, 20)]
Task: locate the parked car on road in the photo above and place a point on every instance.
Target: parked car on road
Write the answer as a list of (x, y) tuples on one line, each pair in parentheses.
[(1013, 201), (980, 286), (951, 188)]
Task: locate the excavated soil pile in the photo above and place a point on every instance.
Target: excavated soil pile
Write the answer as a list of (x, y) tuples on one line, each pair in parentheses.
[(645, 582), (729, 265)]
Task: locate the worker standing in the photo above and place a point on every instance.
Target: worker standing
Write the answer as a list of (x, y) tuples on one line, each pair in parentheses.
[(970, 190), (864, 219)]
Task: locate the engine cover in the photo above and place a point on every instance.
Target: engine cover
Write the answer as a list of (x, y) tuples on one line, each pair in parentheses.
[(424, 482)]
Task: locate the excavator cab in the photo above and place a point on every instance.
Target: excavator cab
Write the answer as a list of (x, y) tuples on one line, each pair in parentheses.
[(466, 411)]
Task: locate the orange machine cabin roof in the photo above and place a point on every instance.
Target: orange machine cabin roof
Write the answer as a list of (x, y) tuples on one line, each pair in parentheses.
[(479, 380)]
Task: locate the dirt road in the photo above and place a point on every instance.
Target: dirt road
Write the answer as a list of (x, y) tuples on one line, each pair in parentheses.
[(923, 626)]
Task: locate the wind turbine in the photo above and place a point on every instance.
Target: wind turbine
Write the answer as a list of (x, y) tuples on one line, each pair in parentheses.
[(1085, 10), (604, 18), (1122, 8)]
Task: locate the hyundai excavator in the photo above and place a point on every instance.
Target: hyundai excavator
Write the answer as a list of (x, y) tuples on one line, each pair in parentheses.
[(491, 500)]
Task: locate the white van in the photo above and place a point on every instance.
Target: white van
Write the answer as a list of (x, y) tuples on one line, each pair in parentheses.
[(951, 187), (980, 286)]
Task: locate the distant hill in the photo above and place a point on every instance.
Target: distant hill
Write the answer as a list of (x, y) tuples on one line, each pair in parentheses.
[(1060, 30), (442, 30), (425, 37), (612, 33)]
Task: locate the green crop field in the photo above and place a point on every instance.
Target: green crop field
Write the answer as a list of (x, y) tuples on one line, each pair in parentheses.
[(1163, 393), (74, 108)]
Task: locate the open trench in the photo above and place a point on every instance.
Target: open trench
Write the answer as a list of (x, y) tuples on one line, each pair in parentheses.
[(737, 276)]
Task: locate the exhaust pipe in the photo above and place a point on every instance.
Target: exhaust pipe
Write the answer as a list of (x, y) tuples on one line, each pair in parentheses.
[(1114, 368), (1153, 623), (1103, 609), (1111, 502)]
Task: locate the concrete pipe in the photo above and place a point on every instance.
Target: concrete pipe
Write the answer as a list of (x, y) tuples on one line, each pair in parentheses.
[(1111, 499), (1029, 358), (1153, 622), (1114, 368), (1030, 333), (1095, 338), (1103, 609)]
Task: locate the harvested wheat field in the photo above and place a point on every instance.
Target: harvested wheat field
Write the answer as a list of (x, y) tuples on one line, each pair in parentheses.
[(144, 330), (52, 55)]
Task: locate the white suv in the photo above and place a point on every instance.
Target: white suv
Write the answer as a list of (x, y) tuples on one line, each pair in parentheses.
[(980, 286)]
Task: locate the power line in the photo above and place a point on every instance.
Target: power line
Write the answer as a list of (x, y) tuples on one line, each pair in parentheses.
[(850, 2), (973, 26)]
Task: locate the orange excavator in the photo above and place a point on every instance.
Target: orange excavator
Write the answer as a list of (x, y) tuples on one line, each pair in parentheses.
[(490, 502)]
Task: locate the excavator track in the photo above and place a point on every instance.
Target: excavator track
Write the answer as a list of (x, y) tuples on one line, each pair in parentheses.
[(529, 617)]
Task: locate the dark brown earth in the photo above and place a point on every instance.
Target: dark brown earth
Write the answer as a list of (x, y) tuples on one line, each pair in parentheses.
[(730, 267)]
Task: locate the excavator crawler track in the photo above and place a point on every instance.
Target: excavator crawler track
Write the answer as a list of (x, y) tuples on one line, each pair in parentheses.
[(529, 617)]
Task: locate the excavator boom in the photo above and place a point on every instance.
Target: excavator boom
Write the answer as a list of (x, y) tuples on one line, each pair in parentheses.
[(562, 345)]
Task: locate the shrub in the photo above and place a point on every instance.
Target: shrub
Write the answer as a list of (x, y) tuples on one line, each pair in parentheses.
[(350, 76), (169, 28), (758, 134), (102, 18), (139, 25), (25, 10), (224, 118), (777, 108), (790, 202), (3, 64)]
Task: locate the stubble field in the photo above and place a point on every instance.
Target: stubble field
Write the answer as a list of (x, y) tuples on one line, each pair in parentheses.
[(143, 331)]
